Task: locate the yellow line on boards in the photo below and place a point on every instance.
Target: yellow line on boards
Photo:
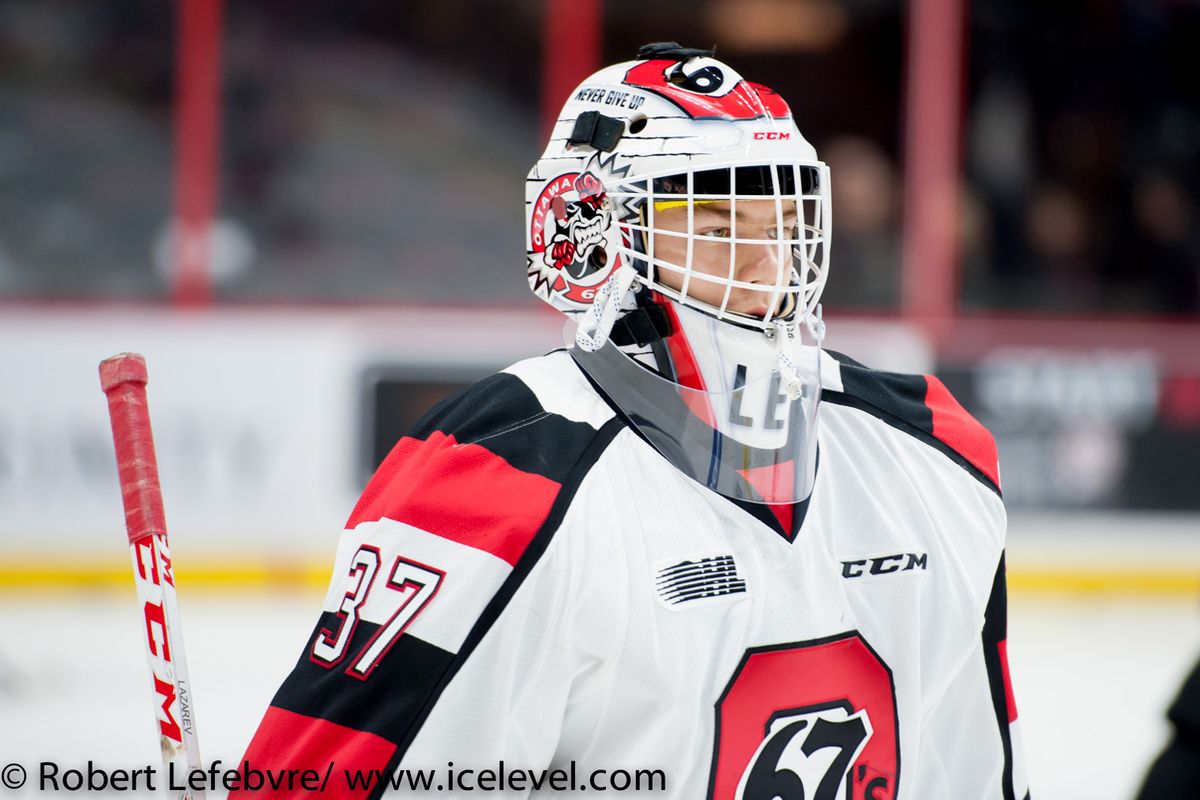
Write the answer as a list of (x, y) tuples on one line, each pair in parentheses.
[(28, 573), (17, 576), (1142, 581)]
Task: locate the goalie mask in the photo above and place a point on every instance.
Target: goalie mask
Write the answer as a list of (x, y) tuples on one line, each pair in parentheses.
[(679, 217)]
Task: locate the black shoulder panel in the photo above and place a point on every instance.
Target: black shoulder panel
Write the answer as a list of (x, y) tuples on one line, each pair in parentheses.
[(921, 406), (501, 414)]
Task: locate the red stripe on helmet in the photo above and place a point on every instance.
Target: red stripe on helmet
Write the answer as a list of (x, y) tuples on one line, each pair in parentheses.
[(743, 101)]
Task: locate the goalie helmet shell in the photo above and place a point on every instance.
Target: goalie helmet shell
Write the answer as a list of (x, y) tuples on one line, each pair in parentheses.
[(623, 135), (680, 200)]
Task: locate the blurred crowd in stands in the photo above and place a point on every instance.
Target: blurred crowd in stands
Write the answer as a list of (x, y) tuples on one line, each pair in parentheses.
[(374, 151)]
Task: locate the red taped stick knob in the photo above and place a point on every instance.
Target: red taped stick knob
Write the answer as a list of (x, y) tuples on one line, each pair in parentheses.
[(123, 378), (122, 368)]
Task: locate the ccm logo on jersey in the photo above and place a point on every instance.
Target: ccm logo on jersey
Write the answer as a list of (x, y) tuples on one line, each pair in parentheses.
[(885, 565), (772, 136)]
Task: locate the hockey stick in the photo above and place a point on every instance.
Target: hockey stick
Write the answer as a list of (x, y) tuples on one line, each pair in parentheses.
[(123, 379)]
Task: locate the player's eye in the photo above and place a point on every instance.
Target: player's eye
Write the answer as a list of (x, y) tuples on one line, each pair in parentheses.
[(789, 232), (714, 233)]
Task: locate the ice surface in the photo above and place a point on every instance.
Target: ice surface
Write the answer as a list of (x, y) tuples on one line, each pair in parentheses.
[(1092, 678)]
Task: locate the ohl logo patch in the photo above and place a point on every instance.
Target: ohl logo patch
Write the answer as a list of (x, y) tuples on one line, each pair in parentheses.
[(809, 720), (569, 239)]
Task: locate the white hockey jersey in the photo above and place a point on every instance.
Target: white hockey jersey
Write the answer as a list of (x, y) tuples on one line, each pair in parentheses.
[(526, 586)]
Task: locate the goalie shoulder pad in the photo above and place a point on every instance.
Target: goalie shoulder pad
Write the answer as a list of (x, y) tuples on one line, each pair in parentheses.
[(923, 407), (486, 466)]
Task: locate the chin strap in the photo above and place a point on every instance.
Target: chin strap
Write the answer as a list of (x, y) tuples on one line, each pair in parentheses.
[(782, 333), (816, 325), (597, 323)]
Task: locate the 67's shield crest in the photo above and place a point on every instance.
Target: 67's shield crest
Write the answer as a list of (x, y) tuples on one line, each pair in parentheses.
[(809, 720)]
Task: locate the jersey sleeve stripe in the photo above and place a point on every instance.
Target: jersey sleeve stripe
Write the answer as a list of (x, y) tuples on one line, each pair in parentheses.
[(583, 465), (958, 429), (410, 668), (474, 577), (399, 696), (475, 493), (394, 702), (1010, 700), (286, 739), (462, 492), (994, 635)]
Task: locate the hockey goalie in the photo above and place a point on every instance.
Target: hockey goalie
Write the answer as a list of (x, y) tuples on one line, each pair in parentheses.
[(693, 543)]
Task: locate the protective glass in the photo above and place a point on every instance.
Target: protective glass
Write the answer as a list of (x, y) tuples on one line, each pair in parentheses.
[(744, 437)]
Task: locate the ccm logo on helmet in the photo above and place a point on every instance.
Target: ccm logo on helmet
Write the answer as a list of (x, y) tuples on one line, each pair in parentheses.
[(772, 136)]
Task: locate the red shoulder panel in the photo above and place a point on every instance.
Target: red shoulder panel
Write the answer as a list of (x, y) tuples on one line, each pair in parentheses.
[(462, 492), (960, 431), (289, 741)]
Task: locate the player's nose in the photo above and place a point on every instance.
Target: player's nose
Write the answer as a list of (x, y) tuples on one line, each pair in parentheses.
[(764, 263)]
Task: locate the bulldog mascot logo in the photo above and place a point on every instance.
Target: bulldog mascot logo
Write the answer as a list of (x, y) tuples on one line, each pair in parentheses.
[(569, 234)]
